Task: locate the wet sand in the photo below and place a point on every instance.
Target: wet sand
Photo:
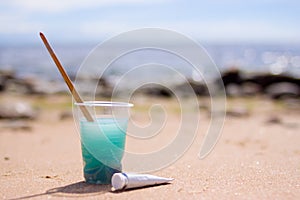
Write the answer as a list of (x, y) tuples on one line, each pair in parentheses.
[(255, 158)]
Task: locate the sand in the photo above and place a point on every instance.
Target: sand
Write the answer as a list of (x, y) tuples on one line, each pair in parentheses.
[(254, 159)]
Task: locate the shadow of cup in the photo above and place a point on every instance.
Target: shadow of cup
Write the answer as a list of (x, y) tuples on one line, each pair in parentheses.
[(79, 189)]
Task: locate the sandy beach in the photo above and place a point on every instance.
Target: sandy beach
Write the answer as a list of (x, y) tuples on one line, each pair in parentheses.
[(215, 87), (256, 157)]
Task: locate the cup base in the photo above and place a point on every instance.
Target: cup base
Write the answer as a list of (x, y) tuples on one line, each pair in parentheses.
[(96, 172), (100, 176)]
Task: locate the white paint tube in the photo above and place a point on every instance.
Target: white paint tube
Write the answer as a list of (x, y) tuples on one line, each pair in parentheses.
[(121, 181)]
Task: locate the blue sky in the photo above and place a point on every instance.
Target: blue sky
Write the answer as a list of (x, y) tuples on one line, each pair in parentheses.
[(80, 21)]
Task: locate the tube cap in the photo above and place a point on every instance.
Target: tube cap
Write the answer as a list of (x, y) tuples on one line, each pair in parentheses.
[(119, 181)]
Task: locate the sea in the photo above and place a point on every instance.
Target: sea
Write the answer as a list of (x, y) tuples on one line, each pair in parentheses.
[(34, 61)]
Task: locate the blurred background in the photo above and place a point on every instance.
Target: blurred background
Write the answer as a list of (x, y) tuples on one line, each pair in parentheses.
[(255, 44)]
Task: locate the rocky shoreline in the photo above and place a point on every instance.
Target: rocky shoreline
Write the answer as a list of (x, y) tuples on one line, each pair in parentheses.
[(236, 83)]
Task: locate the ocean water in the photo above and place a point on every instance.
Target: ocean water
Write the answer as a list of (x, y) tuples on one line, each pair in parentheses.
[(34, 61)]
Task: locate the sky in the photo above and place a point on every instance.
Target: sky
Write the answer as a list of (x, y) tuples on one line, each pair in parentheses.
[(216, 21)]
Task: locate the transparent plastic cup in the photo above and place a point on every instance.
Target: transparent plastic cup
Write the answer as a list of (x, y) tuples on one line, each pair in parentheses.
[(103, 139)]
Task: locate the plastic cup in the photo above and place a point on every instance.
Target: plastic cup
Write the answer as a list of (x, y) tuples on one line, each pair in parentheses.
[(103, 140)]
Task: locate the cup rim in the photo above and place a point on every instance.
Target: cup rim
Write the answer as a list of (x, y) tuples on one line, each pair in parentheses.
[(104, 104)]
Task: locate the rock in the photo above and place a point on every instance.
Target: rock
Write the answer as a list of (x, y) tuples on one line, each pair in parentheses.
[(49, 176), (41, 87), (283, 90), (250, 89), (104, 92), (19, 86), (265, 80), (198, 88), (5, 76), (236, 84), (34, 85), (86, 84), (233, 90), (204, 107), (238, 112), (7, 73), (2, 84), (274, 120), (16, 125), (156, 90), (231, 76), (17, 110), (65, 115)]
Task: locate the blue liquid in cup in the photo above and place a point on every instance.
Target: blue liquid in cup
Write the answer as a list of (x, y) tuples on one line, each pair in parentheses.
[(102, 144)]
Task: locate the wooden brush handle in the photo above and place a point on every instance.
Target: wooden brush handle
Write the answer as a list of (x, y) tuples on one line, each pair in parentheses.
[(67, 79)]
